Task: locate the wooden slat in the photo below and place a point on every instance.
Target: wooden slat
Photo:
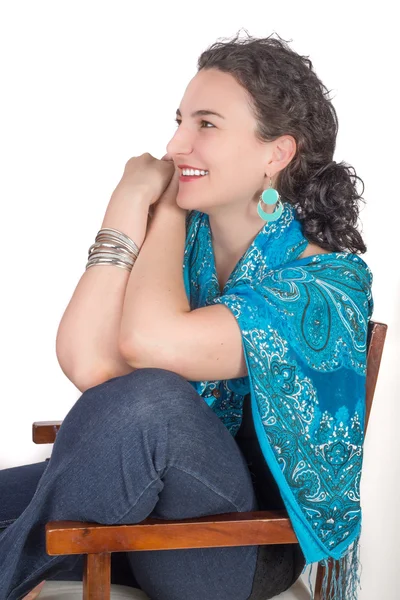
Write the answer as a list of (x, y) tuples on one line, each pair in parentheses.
[(230, 529), (44, 432), (374, 357)]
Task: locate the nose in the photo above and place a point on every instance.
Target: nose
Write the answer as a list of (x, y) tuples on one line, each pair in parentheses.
[(181, 143)]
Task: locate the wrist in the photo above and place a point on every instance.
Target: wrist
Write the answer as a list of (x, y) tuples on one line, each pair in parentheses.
[(128, 214), (132, 194)]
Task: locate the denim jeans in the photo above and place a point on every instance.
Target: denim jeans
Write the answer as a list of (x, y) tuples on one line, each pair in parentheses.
[(136, 446)]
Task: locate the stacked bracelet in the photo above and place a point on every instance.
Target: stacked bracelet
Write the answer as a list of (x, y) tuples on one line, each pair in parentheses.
[(112, 247)]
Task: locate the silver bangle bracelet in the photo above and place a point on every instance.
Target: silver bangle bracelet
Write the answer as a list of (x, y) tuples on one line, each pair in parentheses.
[(109, 240), (112, 247), (119, 235), (128, 259), (116, 247), (112, 262)]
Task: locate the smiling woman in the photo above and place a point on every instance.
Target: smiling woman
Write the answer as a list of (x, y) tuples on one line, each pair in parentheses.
[(298, 295), (246, 283)]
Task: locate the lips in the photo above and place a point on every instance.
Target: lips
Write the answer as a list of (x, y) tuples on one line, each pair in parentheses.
[(189, 167)]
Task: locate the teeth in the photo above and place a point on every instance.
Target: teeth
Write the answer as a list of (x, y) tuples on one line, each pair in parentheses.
[(194, 172)]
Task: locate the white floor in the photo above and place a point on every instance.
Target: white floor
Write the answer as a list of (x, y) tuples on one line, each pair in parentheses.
[(72, 590)]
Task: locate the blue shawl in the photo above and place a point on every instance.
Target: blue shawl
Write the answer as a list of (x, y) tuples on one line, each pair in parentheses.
[(304, 332)]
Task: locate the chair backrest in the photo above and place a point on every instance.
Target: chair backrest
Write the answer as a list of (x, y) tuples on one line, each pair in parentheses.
[(375, 344)]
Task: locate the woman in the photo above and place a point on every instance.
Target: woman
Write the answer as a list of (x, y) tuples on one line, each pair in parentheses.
[(265, 225)]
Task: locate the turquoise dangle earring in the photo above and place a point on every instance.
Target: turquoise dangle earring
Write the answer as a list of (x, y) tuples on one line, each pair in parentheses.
[(270, 196)]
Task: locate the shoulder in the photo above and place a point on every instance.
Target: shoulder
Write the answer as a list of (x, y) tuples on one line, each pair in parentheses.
[(313, 249)]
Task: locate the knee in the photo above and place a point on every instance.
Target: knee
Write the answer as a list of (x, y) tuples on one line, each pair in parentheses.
[(144, 394)]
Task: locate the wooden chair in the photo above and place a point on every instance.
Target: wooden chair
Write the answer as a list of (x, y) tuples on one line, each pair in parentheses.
[(97, 542)]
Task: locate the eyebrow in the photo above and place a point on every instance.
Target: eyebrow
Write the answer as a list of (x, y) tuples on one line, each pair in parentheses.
[(203, 112)]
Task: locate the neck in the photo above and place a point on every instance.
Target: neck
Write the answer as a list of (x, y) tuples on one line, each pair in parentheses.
[(234, 230)]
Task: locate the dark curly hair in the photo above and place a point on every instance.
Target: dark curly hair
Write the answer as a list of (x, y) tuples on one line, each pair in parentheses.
[(287, 98)]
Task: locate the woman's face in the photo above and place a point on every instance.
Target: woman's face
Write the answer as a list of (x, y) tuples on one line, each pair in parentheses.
[(224, 145)]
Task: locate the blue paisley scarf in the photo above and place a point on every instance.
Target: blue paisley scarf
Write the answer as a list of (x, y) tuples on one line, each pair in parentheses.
[(304, 332)]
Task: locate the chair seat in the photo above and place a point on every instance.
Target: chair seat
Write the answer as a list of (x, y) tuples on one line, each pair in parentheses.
[(72, 590)]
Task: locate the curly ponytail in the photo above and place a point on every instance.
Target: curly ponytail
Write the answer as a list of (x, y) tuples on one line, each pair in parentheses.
[(288, 98)]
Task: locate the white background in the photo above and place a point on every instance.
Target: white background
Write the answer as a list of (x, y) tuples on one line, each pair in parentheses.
[(87, 85)]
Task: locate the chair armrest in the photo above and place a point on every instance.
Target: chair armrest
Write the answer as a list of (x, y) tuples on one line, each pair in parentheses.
[(229, 529), (44, 432)]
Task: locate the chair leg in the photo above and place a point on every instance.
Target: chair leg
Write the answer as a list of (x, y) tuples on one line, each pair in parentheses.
[(97, 576), (333, 571), (318, 581)]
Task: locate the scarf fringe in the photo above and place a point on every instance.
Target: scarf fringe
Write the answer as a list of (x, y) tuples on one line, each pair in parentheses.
[(346, 576)]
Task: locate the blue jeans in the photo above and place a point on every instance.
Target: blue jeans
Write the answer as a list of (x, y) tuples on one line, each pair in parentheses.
[(136, 446)]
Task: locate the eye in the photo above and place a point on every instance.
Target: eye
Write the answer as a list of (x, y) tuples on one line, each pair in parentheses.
[(178, 121)]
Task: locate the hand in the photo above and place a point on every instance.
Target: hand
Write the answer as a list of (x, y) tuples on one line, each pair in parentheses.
[(168, 197), (146, 176)]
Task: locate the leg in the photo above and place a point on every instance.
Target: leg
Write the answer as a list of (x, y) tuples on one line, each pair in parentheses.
[(17, 488), (116, 448), (208, 474)]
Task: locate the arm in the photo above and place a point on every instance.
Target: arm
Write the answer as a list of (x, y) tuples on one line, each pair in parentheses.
[(157, 327), (87, 339)]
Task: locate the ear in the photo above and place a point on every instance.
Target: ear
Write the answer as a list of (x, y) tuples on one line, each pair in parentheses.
[(284, 150)]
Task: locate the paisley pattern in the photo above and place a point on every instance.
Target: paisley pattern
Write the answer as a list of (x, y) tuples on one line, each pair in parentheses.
[(304, 332)]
